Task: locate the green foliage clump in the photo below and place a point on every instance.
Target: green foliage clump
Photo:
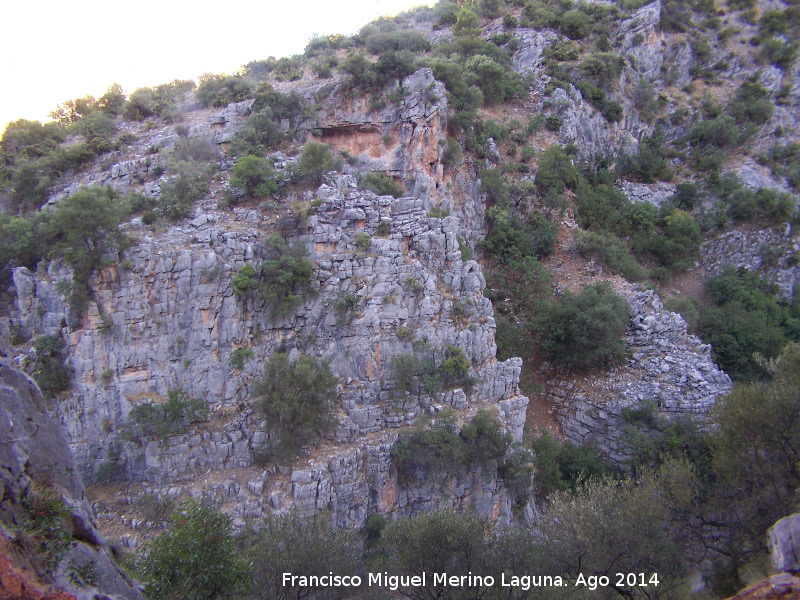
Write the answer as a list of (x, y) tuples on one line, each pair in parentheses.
[(381, 184), (633, 525), (283, 278), (196, 559), (239, 357), (49, 370), (746, 318), (167, 418), (158, 101), (419, 371), (563, 466), (602, 69), (556, 171), (755, 460), (296, 398), (191, 182), (677, 245), (316, 160), (785, 162), (648, 164), (585, 330), (511, 239), (441, 447), (611, 252), (254, 176), (221, 90), (45, 520), (300, 546), (751, 104)]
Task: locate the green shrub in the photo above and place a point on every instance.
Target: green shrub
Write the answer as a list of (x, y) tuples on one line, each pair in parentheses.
[(46, 518), (381, 184), (720, 132), (254, 176), (441, 447), (563, 466), (602, 69), (648, 164), (384, 229), (363, 241), (677, 245), (220, 90), (49, 370), (196, 559), (611, 252), (191, 182), (168, 418), (779, 53), (296, 398), (316, 160), (419, 371), (556, 171), (239, 357), (746, 318), (510, 239), (585, 330), (752, 103), (452, 155), (765, 206)]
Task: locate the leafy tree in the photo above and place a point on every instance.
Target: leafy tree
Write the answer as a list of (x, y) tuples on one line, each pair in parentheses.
[(85, 227), (556, 171), (289, 544), (484, 73), (254, 176), (602, 69), (357, 67), (392, 65), (630, 526), (259, 135), (381, 184), (585, 330), (196, 559), (755, 462), (510, 239), (286, 275), (296, 398), (746, 318), (50, 371), (220, 90), (316, 160)]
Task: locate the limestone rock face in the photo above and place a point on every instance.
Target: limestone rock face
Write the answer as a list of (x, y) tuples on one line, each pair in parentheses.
[(665, 365), (772, 253), (33, 452), (171, 320), (784, 544)]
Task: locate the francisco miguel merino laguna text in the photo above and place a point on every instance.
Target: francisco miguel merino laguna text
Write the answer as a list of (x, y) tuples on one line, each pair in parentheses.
[(394, 582)]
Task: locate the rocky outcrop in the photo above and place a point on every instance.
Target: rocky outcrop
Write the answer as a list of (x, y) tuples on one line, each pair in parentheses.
[(784, 544), (665, 365), (34, 456), (170, 319), (774, 254), (655, 194)]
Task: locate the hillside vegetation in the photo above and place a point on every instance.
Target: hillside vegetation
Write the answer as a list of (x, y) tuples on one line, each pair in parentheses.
[(591, 151)]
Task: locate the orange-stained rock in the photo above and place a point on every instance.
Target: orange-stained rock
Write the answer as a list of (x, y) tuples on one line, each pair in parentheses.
[(783, 586)]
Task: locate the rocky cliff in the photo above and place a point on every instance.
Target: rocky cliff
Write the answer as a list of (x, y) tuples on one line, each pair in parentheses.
[(38, 477), (169, 319)]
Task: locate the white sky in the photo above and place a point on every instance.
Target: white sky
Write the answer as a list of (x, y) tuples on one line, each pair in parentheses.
[(51, 51)]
